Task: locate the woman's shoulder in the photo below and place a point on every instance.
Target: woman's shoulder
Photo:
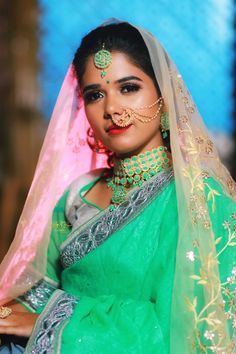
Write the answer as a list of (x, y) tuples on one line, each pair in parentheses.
[(72, 191), (84, 179)]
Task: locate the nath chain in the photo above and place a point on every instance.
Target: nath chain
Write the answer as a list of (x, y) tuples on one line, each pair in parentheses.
[(129, 114)]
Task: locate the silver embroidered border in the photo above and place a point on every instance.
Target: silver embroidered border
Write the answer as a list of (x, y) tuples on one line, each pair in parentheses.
[(46, 336), (81, 242), (38, 295)]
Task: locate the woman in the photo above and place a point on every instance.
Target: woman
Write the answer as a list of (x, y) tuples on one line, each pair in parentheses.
[(141, 252)]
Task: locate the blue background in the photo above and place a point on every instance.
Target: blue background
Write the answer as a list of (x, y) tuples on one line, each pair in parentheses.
[(198, 35)]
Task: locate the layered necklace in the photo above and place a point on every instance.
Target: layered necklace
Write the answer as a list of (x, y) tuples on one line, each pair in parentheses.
[(135, 170)]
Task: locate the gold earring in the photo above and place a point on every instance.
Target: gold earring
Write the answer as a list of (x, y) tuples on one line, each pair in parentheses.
[(164, 124)]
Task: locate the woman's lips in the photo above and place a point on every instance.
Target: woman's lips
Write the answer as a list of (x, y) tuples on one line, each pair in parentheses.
[(115, 130)]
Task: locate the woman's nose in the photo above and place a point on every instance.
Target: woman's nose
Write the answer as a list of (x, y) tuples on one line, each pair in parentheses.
[(112, 107)]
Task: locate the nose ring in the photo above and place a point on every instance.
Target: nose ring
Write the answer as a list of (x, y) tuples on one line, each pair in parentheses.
[(129, 115)]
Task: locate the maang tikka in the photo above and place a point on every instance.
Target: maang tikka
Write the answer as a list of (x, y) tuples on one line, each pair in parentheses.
[(129, 114), (102, 59)]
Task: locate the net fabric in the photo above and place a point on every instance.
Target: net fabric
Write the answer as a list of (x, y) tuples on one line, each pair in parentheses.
[(197, 299), (65, 155)]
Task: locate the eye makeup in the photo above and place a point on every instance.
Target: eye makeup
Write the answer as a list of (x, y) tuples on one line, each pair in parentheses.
[(95, 95)]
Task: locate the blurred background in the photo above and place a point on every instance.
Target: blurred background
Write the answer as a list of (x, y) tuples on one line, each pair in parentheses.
[(37, 43)]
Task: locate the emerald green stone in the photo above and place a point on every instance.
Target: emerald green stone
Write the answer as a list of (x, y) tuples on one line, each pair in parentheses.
[(118, 195), (123, 181), (130, 180), (152, 172), (135, 170)]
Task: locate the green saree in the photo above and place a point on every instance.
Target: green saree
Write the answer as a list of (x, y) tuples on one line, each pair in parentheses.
[(108, 287)]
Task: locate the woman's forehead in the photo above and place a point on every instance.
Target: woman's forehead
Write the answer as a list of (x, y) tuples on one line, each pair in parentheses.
[(120, 66)]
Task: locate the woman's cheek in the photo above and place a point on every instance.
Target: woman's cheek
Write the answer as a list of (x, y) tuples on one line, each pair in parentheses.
[(93, 115)]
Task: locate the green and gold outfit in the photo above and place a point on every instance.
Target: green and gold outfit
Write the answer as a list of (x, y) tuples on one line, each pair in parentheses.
[(108, 287)]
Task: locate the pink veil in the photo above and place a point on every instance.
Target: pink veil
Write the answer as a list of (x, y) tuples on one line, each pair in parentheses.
[(65, 155)]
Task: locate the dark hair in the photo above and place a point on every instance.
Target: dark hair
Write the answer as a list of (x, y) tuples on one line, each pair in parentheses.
[(121, 37)]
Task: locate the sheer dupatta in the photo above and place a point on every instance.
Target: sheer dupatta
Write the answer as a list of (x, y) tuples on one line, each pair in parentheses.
[(65, 155), (198, 305)]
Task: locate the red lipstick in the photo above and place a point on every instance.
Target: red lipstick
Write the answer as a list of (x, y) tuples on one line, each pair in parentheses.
[(115, 129)]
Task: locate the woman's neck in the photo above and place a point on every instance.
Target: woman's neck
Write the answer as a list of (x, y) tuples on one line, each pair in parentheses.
[(133, 171)]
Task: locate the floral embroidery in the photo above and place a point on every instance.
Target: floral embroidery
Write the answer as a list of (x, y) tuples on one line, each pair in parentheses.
[(209, 320), (209, 335), (228, 291), (61, 226), (191, 256)]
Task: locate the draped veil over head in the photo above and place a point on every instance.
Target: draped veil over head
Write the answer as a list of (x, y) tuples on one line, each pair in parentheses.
[(195, 158)]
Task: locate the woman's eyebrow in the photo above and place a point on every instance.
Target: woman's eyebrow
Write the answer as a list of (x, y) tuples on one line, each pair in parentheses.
[(127, 78), (123, 79), (91, 87)]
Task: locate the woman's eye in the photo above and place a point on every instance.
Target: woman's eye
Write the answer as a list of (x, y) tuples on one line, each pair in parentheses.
[(130, 88), (92, 96)]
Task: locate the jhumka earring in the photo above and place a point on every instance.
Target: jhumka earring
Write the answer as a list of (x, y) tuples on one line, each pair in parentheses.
[(95, 144), (164, 124), (129, 114), (102, 59)]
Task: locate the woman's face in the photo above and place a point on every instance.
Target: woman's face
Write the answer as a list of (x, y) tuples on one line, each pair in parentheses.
[(125, 85)]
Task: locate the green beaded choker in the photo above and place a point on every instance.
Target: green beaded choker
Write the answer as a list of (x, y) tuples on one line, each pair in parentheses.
[(133, 171)]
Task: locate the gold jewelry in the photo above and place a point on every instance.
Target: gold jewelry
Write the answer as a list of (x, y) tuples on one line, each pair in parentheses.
[(164, 124), (102, 59), (5, 311), (129, 114), (135, 170)]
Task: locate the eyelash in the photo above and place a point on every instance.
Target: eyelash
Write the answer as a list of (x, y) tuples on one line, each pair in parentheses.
[(93, 96), (132, 87)]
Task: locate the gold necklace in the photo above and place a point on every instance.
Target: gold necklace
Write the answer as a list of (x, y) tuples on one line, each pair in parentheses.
[(135, 170)]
